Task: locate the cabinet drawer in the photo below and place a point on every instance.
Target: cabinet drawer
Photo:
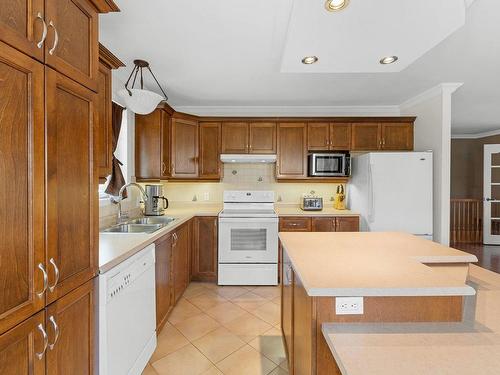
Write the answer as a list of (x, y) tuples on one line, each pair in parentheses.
[(295, 224)]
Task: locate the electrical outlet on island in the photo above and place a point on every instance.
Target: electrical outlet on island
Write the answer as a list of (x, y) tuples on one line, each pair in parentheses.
[(349, 305)]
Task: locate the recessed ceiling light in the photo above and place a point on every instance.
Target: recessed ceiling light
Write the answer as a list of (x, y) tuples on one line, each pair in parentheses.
[(336, 5), (388, 60), (308, 60)]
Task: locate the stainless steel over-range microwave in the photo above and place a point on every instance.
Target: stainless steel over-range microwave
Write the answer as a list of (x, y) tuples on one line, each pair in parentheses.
[(329, 164)]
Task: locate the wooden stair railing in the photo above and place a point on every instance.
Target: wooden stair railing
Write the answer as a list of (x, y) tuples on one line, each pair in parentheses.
[(466, 221)]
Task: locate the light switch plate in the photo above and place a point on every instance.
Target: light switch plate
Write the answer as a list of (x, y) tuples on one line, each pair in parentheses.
[(349, 305)]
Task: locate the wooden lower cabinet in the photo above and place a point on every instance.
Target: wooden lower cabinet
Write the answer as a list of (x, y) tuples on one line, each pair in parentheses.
[(295, 224), (319, 224), (164, 280), (181, 269), (204, 254)]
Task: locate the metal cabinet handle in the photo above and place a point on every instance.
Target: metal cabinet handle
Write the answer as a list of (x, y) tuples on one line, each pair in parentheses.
[(294, 224), (56, 274), (56, 331), (163, 167), (288, 274), (45, 341), (44, 32), (172, 168), (45, 280), (56, 38)]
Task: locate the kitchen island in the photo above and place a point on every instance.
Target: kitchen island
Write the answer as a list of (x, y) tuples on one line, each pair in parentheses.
[(399, 278)]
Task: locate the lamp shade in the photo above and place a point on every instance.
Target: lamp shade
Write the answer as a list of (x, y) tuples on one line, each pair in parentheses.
[(141, 101)]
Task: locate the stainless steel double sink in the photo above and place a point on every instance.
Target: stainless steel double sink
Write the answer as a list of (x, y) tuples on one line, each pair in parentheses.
[(141, 225)]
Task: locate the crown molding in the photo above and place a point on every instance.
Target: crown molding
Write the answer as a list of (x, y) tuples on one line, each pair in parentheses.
[(107, 57), (442, 88), (298, 111), (476, 135)]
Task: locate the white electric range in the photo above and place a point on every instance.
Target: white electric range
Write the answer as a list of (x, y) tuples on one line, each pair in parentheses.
[(248, 239)]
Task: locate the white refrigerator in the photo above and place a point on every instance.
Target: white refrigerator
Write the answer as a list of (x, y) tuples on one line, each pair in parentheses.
[(393, 192)]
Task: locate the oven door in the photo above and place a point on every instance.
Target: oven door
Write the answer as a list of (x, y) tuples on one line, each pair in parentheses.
[(327, 164), (248, 240)]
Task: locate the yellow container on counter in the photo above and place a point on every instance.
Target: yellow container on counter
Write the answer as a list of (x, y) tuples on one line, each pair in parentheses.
[(339, 201)]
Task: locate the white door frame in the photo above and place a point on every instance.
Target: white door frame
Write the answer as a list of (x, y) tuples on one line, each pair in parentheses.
[(488, 238)]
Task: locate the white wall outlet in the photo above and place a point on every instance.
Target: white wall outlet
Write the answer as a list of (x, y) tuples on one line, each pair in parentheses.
[(206, 196), (349, 305)]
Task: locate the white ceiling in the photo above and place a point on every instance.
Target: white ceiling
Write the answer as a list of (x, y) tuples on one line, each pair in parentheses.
[(235, 53)]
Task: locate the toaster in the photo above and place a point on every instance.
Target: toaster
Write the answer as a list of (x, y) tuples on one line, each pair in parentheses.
[(311, 204)]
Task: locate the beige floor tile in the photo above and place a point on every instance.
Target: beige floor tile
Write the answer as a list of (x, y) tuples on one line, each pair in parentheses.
[(270, 344), (230, 292), (247, 327), (210, 286), (182, 311), (185, 361), (206, 300), (225, 312), (284, 365), (218, 344), (246, 361), (268, 292), (268, 312), (277, 300), (197, 326), (212, 371), (149, 370), (279, 371), (193, 290), (249, 301), (169, 340)]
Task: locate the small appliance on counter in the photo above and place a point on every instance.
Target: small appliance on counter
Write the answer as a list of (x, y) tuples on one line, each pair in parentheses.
[(311, 203), (156, 204), (339, 200)]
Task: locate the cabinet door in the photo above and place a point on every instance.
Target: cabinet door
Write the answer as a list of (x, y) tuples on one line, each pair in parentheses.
[(287, 306), (22, 195), (72, 46), (19, 348), (165, 125), (397, 136), (20, 27), (234, 138), (204, 259), (72, 205), (318, 136), (323, 224), (104, 131), (262, 138), (148, 145), (292, 151), (295, 224), (340, 137), (347, 224), (209, 150), (71, 330), (366, 137), (184, 148), (163, 275), (180, 250)]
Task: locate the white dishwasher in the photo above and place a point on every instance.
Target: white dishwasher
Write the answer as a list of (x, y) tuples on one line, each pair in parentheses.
[(127, 315)]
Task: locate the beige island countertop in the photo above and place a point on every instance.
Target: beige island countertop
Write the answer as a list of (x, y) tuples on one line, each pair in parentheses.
[(463, 348), (373, 264)]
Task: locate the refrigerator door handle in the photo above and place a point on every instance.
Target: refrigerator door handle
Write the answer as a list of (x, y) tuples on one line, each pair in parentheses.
[(371, 198)]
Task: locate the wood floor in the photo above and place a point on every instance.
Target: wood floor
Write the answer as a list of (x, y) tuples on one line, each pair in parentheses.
[(488, 255)]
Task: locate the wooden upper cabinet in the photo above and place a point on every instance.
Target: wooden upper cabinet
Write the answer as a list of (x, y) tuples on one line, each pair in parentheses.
[(292, 150), (19, 348), (71, 183), (204, 254), (72, 46), (397, 136), (152, 145), (210, 143), (340, 136), (22, 187), (262, 138), (21, 27), (365, 136), (164, 287), (235, 138), (184, 148), (73, 316), (318, 136)]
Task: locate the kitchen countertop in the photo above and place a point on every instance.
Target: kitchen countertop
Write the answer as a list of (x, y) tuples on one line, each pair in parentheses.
[(114, 248), (372, 264), (465, 348), (295, 210)]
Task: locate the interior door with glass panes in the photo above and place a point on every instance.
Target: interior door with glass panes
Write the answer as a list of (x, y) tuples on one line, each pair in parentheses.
[(491, 195)]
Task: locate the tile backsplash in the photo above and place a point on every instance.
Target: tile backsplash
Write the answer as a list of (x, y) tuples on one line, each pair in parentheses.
[(246, 177)]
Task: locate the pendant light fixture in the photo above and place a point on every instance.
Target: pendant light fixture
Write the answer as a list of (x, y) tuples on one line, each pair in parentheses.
[(139, 100)]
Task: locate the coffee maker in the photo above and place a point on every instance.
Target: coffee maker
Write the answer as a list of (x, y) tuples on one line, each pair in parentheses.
[(156, 203)]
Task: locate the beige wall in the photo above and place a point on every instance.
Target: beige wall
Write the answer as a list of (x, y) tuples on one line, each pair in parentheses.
[(467, 166)]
